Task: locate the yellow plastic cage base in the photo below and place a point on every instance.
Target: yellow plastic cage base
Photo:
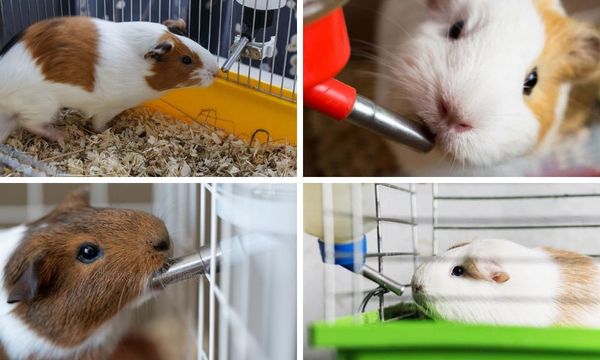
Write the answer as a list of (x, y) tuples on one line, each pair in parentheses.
[(244, 111)]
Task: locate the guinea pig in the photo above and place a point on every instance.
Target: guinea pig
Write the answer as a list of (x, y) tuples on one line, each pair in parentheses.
[(95, 66), (503, 283), (70, 279), (493, 80)]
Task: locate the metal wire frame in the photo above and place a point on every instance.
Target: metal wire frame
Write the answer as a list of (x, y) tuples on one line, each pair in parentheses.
[(255, 71), (359, 295), (412, 222), (262, 76), (438, 199), (231, 331)]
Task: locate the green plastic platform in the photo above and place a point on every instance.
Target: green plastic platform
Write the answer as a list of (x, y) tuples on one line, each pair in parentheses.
[(367, 338)]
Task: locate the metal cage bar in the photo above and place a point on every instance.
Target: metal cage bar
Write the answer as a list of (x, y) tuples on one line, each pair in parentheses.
[(356, 215), (232, 324), (553, 224), (412, 221)]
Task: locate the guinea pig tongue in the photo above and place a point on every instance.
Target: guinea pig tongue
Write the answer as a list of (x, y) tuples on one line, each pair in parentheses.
[(184, 268)]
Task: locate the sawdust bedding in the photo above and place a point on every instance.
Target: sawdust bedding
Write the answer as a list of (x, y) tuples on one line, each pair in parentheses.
[(141, 142)]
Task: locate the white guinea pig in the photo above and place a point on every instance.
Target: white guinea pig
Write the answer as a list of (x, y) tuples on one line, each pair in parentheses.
[(500, 282), (98, 67), (68, 279), (494, 80)]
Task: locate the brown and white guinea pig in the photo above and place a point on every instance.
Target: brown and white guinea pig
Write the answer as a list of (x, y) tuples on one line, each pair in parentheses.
[(69, 279), (98, 67), (500, 282), (493, 80)]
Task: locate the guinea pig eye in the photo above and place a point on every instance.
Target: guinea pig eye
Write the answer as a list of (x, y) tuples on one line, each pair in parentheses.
[(458, 271), (456, 30), (88, 253), (530, 82), (186, 60)]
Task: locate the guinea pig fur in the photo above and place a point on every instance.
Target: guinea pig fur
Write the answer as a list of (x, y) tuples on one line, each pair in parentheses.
[(500, 282), (98, 67), (70, 278), (493, 80)]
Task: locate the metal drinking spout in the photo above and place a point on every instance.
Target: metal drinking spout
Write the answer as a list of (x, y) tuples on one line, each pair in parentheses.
[(187, 267), (382, 280), (235, 53), (371, 116)]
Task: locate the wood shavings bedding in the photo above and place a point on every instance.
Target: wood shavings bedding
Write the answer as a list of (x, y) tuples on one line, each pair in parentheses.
[(142, 142)]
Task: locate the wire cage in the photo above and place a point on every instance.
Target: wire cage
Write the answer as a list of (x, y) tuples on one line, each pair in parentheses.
[(263, 77), (408, 224), (244, 308)]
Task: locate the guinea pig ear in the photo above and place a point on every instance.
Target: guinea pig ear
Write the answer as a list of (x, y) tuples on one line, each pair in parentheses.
[(77, 199), (583, 52), (159, 50), (26, 286), (177, 27), (486, 269), (437, 5)]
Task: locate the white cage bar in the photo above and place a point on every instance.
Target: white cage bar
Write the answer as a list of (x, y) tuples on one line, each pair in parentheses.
[(251, 300)]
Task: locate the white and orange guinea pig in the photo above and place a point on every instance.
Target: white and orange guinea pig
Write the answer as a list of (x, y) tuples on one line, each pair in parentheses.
[(493, 80), (70, 279), (503, 283), (98, 67)]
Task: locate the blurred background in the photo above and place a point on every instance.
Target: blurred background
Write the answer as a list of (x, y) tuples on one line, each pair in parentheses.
[(245, 311), (335, 148)]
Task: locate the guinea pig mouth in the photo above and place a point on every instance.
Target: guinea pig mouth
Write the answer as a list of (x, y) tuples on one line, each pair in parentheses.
[(460, 150), (153, 284), (164, 268)]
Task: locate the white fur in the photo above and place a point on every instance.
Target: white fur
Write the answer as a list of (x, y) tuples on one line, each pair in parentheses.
[(21, 342), (529, 297), (120, 77), (481, 75)]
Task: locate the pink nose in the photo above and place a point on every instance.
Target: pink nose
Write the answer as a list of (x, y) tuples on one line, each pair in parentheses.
[(451, 116)]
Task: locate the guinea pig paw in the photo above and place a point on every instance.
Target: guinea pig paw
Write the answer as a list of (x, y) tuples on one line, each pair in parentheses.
[(49, 133)]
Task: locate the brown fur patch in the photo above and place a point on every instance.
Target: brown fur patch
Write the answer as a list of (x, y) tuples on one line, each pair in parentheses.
[(176, 26), (3, 355), (485, 269), (571, 55), (73, 299), (472, 271), (136, 347), (66, 50), (579, 278), (169, 71)]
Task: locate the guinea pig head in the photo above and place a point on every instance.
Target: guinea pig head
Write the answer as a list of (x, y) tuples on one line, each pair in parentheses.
[(570, 59), (455, 285), (178, 62), (79, 266), (477, 73)]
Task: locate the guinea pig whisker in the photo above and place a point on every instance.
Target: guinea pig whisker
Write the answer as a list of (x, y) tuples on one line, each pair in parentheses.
[(388, 19)]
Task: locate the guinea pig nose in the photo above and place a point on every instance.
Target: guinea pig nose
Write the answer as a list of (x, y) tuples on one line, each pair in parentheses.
[(417, 288), (163, 245), (448, 113)]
